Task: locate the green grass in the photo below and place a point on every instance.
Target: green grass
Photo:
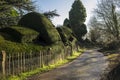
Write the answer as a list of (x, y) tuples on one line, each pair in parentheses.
[(75, 55), (47, 68)]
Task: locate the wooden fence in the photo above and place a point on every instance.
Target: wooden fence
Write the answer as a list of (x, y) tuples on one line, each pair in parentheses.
[(14, 64)]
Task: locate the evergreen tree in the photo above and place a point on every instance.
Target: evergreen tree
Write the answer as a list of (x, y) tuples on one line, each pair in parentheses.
[(77, 16), (8, 18), (20, 5), (78, 13), (10, 10)]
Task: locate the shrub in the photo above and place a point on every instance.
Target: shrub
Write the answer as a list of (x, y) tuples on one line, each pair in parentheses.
[(62, 35), (66, 35), (38, 22), (67, 23), (1, 37), (13, 47), (19, 34), (6, 36), (112, 45)]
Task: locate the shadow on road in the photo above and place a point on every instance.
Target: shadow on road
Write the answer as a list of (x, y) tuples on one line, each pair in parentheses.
[(89, 66)]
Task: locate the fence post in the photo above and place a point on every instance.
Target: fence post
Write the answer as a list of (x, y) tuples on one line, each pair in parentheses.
[(3, 62)]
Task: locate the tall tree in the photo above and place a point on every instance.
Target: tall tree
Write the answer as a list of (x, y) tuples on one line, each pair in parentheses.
[(10, 10), (20, 5), (77, 16), (77, 13), (108, 16), (8, 18)]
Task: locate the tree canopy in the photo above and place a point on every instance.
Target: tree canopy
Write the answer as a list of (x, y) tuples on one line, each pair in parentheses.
[(107, 13), (21, 5), (77, 16), (10, 10)]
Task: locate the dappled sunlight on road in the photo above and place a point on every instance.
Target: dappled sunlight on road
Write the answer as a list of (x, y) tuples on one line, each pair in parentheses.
[(89, 66)]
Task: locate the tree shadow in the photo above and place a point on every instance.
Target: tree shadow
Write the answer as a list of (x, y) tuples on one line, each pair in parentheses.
[(90, 68)]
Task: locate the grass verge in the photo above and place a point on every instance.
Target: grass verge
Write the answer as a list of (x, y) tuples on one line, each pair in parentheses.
[(23, 76)]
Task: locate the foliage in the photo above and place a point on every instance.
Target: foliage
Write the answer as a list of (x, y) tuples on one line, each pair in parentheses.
[(10, 10), (80, 31), (66, 35), (83, 30), (94, 35), (20, 5), (19, 34), (51, 14), (38, 22), (77, 14), (77, 17), (107, 13), (8, 18), (63, 37), (13, 47), (66, 23), (1, 37), (112, 46), (6, 36)]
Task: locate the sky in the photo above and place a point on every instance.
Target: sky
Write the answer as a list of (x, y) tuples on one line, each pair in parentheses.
[(63, 7)]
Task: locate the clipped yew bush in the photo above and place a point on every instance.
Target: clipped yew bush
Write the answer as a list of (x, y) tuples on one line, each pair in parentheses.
[(19, 34), (38, 22), (1, 37), (5, 36), (14, 48), (66, 35)]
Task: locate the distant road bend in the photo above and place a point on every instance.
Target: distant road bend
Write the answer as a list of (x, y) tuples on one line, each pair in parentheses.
[(89, 66)]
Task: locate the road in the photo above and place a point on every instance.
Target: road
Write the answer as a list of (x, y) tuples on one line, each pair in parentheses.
[(89, 66)]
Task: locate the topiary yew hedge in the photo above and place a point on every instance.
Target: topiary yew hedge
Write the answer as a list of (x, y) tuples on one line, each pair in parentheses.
[(1, 37), (19, 34), (14, 48), (48, 33), (6, 36), (66, 35)]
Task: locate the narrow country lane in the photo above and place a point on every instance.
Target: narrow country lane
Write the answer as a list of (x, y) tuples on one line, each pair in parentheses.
[(89, 66)]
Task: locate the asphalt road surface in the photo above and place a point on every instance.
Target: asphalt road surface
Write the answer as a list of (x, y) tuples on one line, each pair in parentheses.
[(89, 66)]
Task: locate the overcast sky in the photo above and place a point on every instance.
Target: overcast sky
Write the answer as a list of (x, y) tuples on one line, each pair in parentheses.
[(63, 7)]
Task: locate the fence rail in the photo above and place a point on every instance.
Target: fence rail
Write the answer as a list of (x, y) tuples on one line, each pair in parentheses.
[(14, 64)]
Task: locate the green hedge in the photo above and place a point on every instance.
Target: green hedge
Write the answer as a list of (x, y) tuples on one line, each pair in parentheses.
[(38, 22), (66, 35), (19, 34), (13, 47), (6, 36), (1, 37)]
